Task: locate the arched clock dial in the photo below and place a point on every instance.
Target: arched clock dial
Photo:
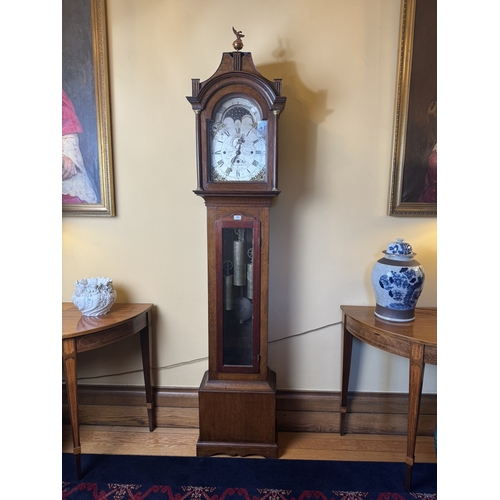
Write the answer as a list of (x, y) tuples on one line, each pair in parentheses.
[(238, 141)]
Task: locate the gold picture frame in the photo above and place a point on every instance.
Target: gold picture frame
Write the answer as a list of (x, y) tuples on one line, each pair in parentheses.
[(88, 187), (413, 187)]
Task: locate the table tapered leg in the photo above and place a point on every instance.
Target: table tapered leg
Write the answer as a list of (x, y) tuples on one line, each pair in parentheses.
[(69, 359), (145, 336), (346, 370), (416, 379)]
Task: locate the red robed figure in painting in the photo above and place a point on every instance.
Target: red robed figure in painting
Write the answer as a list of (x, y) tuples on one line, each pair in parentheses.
[(76, 185)]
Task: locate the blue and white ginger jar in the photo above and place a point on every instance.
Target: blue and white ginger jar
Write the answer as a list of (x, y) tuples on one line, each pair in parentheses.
[(398, 281)]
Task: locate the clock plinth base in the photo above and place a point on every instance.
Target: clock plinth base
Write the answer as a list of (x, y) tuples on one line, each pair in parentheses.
[(238, 417), (242, 449)]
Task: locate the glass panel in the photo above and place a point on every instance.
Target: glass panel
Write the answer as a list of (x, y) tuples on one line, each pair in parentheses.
[(237, 269)]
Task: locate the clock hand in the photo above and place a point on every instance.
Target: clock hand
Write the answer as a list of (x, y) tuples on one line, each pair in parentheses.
[(238, 151), (234, 157)]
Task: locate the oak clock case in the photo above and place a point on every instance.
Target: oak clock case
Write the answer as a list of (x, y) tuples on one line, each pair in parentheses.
[(236, 122)]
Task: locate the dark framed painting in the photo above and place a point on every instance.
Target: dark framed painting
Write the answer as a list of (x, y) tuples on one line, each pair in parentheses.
[(87, 173), (413, 190)]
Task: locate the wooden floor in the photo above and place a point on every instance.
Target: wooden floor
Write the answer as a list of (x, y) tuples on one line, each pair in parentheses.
[(169, 441)]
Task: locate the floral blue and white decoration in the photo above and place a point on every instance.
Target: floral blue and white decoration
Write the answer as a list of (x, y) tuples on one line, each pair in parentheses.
[(398, 281)]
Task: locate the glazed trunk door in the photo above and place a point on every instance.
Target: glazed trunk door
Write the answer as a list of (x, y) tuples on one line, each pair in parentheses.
[(238, 294)]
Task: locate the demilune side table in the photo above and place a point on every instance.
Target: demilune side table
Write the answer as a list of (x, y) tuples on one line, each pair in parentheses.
[(84, 333), (415, 340)]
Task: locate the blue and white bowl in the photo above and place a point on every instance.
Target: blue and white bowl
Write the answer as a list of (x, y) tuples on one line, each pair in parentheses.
[(398, 281)]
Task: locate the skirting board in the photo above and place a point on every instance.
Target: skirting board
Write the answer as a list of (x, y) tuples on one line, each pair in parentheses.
[(296, 411)]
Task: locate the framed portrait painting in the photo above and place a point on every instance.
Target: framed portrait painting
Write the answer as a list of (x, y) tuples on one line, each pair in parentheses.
[(87, 173), (413, 190)]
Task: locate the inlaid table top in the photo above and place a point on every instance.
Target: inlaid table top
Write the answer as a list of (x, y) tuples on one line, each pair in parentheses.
[(76, 325), (415, 340), (422, 330)]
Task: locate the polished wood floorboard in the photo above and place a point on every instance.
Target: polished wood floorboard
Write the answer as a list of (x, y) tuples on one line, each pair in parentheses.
[(114, 440)]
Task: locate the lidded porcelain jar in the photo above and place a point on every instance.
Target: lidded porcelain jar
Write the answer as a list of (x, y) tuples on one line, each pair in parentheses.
[(398, 281)]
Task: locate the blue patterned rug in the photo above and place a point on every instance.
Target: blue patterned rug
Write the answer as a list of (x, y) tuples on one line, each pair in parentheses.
[(120, 477)]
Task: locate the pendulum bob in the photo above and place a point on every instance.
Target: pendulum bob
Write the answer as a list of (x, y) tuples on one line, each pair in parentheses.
[(228, 292), (249, 293), (242, 309), (239, 278)]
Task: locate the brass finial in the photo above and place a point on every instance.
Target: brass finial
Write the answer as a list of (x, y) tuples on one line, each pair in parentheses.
[(238, 44)]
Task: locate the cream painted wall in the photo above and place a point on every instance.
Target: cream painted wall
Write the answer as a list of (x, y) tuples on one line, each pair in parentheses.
[(329, 225)]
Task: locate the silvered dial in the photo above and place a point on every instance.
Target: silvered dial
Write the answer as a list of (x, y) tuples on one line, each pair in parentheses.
[(238, 142)]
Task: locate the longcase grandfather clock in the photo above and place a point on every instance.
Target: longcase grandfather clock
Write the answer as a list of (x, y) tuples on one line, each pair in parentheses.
[(236, 113)]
